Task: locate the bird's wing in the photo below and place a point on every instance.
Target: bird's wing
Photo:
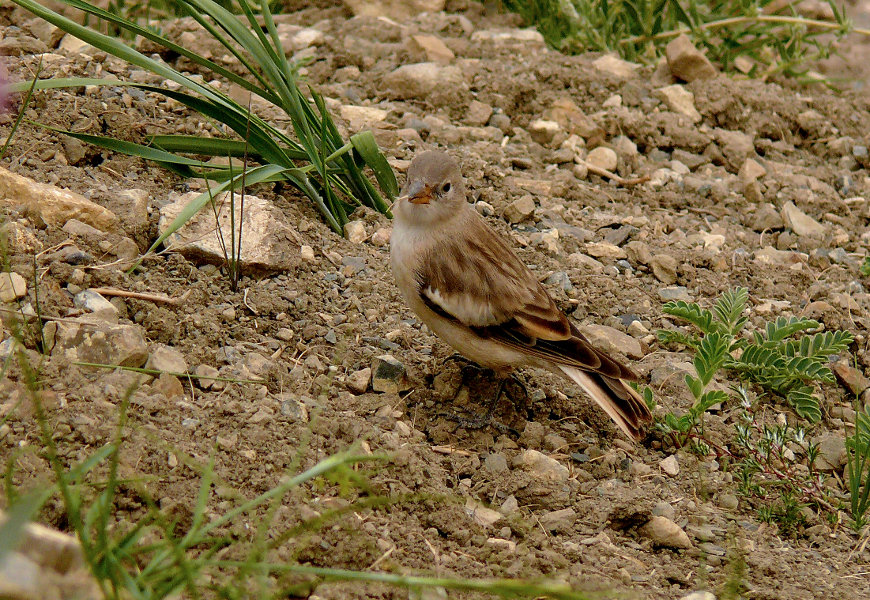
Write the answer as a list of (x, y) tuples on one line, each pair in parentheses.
[(477, 281)]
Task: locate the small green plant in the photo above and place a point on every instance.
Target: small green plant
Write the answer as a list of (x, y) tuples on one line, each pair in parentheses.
[(773, 40), (858, 468), (773, 357), (865, 267), (314, 159)]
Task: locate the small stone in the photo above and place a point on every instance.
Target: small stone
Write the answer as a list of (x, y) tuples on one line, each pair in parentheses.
[(96, 304), (388, 374), (771, 256), (832, 452), (603, 158), (700, 595), (520, 209), (307, 254), (578, 260), (664, 267), (801, 223), (426, 79), (679, 100), (670, 465), (751, 171), (541, 466), (495, 463), (615, 66), (543, 131), (613, 340), (381, 237), (358, 382), (228, 441), (205, 376), (664, 509), (432, 47), (481, 514), (478, 114), (687, 62), (675, 292), (166, 359), (728, 501), (605, 250), (664, 532), (851, 378), (766, 218), (355, 232), (501, 544), (509, 506), (557, 521), (168, 385), (484, 208), (12, 287)]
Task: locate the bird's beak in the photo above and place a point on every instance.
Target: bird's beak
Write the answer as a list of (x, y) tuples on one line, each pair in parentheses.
[(417, 192)]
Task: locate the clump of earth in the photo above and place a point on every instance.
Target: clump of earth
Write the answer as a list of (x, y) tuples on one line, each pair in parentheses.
[(621, 185)]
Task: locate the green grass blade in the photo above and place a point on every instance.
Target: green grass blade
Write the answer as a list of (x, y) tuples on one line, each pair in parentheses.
[(365, 145), (191, 144)]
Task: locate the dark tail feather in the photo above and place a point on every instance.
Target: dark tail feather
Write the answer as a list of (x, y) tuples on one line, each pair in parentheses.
[(619, 400)]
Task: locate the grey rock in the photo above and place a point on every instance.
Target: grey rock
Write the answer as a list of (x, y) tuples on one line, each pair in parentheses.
[(675, 292), (388, 374), (664, 267), (664, 509), (540, 466), (495, 463), (613, 340), (520, 209), (560, 279), (766, 217), (557, 521), (96, 304), (832, 452), (358, 382), (100, 342), (424, 80)]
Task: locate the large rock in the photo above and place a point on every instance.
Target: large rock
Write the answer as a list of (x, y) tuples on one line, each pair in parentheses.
[(420, 80), (268, 243), (687, 62), (89, 340), (52, 205)]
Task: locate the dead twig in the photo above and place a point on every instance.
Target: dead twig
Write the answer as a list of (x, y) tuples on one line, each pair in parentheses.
[(613, 176), (142, 295)]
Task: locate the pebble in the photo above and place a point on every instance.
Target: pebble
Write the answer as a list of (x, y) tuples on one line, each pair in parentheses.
[(509, 506), (687, 62), (603, 158), (728, 501), (388, 374), (670, 465), (520, 209), (675, 292), (605, 250), (679, 100), (96, 304), (700, 595), (495, 463), (541, 466), (421, 80), (501, 544), (751, 170), (205, 376), (800, 222), (355, 232), (664, 267), (664, 532), (766, 217), (613, 340), (358, 382), (434, 49), (381, 236), (664, 509), (543, 131), (167, 359), (12, 287), (557, 521), (307, 253), (478, 114), (578, 260), (615, 66), (832, 451)]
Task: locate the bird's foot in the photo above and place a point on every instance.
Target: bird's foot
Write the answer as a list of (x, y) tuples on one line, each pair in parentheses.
[(479, 421)]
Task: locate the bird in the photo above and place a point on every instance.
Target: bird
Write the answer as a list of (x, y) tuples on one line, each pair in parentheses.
[(461, 279)]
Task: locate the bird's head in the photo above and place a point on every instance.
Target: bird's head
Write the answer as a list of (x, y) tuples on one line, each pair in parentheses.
[(434, 190)]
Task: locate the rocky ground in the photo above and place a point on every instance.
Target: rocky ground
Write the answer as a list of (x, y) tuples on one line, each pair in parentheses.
[(621, 185)]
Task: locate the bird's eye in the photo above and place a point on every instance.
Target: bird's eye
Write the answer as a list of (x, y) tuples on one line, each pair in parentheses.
[(445, 189)]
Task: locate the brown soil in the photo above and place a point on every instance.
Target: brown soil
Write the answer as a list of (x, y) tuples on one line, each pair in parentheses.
[(255, 433)]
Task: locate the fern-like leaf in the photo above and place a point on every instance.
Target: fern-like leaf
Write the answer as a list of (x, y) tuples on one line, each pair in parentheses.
[(729, 308), (783, 327), (712, 354), (805, 403), (691, 312), (808, 368), (673, 336)]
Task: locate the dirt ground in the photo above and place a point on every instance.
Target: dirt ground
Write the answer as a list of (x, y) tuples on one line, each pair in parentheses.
[(310, 330)]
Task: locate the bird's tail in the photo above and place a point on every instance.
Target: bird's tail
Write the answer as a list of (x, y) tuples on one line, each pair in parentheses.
[(618, 399)]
